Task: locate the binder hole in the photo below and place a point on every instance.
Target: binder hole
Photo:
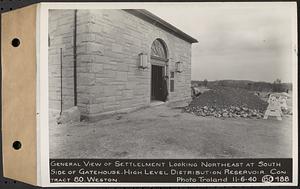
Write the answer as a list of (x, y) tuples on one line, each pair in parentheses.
[(15, 42), (17, 145)]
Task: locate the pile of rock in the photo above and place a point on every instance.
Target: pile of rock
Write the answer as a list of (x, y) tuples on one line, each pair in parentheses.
[(229, 112), (226, 102)]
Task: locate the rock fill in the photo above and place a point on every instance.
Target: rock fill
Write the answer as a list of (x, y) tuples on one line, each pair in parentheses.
[(227, 102)]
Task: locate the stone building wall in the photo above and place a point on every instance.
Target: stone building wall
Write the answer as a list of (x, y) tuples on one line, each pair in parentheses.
[(110, 42), (108, 46), (61, 26)]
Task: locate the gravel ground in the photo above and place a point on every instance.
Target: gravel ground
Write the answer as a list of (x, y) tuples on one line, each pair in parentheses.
[(165, 132), (223, 97)]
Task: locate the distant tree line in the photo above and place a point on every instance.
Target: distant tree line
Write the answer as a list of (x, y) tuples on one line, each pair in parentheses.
[(276, 86)]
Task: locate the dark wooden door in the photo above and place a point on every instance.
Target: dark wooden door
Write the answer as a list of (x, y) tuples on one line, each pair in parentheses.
[(156, 82)]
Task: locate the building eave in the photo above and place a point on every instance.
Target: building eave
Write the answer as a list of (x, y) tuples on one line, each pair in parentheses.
[(155, 20)]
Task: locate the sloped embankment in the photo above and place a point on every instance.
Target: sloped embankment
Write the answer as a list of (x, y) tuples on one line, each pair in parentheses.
[(227, 102)]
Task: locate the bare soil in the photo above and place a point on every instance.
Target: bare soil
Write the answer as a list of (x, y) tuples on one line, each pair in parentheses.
[(165, 132)]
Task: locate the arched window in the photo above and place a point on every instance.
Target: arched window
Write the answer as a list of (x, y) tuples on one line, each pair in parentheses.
[(158, 50)]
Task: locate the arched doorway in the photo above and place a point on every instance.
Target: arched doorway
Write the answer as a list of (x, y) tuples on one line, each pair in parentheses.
[(159, 59)]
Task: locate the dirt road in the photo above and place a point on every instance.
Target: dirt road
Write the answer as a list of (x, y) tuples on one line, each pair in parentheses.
[(165, 132)]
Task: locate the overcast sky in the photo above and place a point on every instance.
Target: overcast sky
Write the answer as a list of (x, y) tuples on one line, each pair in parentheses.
[(248, 41)]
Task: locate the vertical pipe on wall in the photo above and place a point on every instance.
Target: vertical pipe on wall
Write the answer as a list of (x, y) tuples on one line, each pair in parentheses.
[(61, 83), (75, 57)]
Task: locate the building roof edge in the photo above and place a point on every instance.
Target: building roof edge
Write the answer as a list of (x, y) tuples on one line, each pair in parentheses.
[(155, 20)]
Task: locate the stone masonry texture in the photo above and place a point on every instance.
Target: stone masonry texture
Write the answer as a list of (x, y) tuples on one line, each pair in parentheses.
[(108, 46), (61, 26)]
